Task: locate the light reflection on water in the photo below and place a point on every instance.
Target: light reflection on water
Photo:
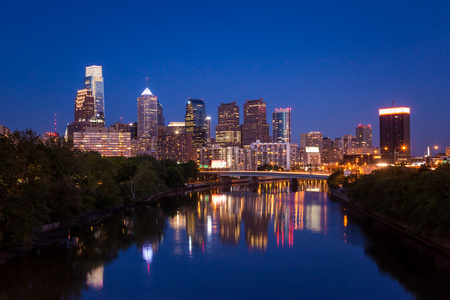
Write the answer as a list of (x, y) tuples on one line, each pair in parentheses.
[(260, 241)]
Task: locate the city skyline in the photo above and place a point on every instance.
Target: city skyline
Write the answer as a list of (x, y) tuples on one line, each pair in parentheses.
[(335, 65)]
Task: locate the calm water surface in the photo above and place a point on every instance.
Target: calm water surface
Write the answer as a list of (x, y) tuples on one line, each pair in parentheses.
[(262, 242)]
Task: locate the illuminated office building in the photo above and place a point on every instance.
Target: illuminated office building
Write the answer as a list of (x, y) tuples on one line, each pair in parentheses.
[(94, 82), (312, 146), (195, 120), (104, 140), (228, 131), (363, 136), (276, 154), (235, 158), (282, 125), (395, 134), (175, 146), (147, 115), (255, 125), (348, 141), (311, 139), (84, 106)]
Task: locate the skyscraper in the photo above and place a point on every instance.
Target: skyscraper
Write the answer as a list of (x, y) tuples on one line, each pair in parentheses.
[(228, 131), (395, 134), (94, 82), (349, 141), (312, 139), (195, 120), (208, 129), (160, 114), (255, 125), (363, 136), (147, 115), (312, 144), (282, 125), (84, 106)]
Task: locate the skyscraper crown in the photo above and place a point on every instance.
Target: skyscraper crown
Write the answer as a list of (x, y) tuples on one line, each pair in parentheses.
[(146, 92)]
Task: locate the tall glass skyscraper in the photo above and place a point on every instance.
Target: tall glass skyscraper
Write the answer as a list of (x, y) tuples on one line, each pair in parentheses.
[(282, 125), (147, 115), (195, 120), (94, 82)]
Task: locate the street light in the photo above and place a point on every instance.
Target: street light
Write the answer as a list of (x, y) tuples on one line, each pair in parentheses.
[(395, 153)]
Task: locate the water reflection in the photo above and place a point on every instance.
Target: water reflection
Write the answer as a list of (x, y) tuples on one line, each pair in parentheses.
[(262, 219)]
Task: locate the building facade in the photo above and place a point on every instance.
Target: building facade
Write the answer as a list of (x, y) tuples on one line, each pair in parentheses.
[(160, 114), (176, 146), (147, 112), (104, 140), (277, 154), (195, 121), (235, 158), (363, 136), (395, 134), (94, 82), (255, 126), (84, 106), (348, 141), (228, 131), (282, 125)]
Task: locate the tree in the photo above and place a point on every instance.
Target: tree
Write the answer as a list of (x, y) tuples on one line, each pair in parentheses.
[(190, 170)]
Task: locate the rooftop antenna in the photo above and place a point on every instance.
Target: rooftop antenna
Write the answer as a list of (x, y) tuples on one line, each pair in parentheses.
[(393, 103), (55, 123), (147, 82)]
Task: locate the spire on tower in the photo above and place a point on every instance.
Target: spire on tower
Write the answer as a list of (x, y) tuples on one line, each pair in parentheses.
[(147, 91)]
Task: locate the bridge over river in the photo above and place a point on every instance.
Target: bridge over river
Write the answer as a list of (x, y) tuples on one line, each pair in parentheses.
[(225, 176)]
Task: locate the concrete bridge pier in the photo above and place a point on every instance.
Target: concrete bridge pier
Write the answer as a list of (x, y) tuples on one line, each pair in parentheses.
[(293, 184), (224, 179), (253, 180)]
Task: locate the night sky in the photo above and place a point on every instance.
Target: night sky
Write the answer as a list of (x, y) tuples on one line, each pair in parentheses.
[(335, 63)]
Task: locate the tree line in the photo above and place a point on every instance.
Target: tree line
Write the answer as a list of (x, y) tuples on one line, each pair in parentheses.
[(418, 199), (43, 182)]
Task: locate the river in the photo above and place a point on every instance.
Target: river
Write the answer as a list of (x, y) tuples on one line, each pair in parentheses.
[(264, 241)]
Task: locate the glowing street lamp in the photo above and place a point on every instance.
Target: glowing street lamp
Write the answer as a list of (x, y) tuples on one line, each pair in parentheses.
[(395, 152)]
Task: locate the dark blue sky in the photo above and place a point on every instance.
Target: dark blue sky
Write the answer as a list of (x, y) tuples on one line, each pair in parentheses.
[(334, 63)]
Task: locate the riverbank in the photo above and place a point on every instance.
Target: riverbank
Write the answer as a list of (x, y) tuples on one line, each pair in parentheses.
[(52, 233), (341, 195)]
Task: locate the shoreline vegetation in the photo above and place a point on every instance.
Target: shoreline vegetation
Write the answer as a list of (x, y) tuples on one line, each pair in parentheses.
[(50, 182), (415, 201)]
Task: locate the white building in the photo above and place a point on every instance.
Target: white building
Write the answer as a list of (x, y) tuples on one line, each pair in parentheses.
[(277, 154)]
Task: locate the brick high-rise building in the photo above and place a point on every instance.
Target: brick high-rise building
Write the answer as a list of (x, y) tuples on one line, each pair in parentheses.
[(177, 147), (228, 131), (255, 125)]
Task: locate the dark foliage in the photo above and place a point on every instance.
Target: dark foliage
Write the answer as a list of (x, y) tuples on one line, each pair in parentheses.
[(418, 199), (42, 182)]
